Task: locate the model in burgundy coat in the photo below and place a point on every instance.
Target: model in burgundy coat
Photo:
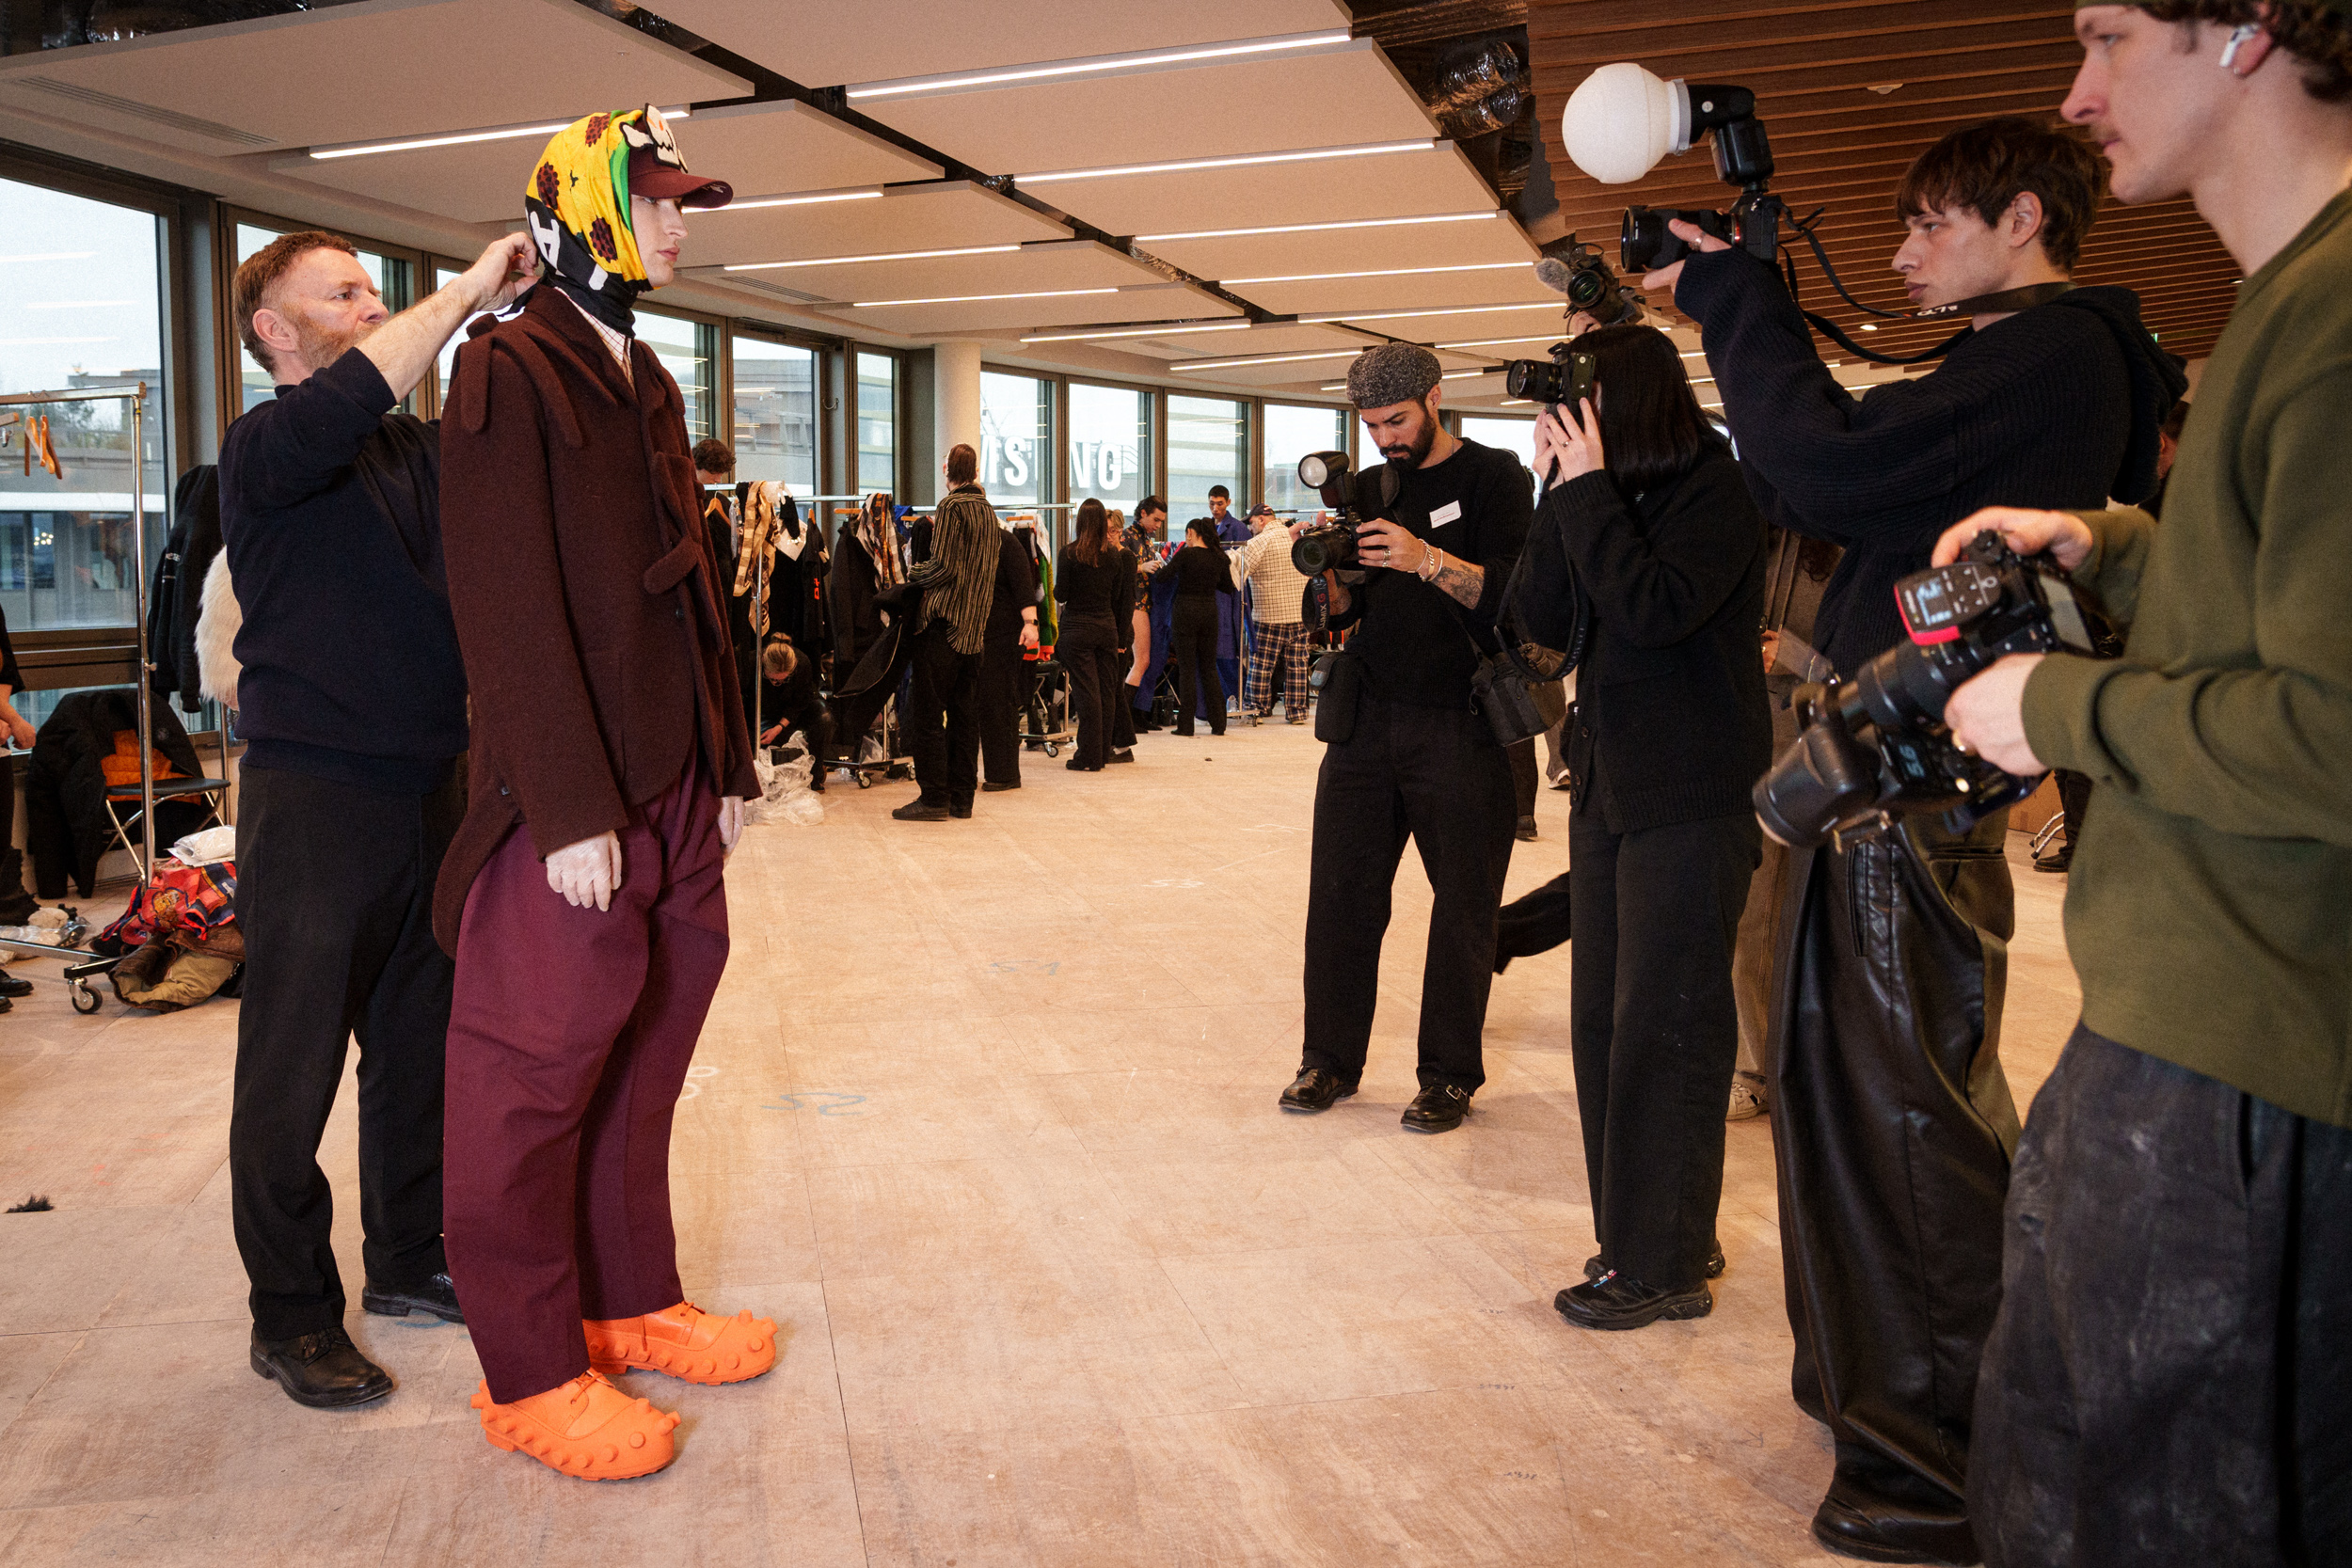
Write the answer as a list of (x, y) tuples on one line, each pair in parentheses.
[(604, 702)]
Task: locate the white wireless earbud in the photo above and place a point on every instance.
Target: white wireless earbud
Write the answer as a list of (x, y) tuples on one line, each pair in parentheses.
[(2240, 35)]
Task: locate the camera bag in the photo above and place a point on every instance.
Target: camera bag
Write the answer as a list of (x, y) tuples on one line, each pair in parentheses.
[(1338, 680)]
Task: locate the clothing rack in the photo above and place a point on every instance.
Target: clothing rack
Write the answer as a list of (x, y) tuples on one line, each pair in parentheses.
[(135, 395)]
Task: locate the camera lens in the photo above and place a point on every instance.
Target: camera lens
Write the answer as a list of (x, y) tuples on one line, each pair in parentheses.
[(1585, 288), (1536, 380), (1642, 237)]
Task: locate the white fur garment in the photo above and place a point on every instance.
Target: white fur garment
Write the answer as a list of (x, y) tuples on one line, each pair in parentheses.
[(216, 626)]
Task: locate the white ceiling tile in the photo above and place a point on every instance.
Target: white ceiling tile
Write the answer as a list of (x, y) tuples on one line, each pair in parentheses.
[(950, 215), (1547, 316), (296, 80), (824, 46), (1503, 284), (1217, 108), (1424, 244), (759, 149), (1066, 264), (1327, 190), (1259, 340)]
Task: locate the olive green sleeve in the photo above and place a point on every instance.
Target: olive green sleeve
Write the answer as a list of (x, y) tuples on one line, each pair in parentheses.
[(2120, 545)]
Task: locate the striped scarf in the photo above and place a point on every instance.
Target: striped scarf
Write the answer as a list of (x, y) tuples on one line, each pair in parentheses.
[(964, 541)]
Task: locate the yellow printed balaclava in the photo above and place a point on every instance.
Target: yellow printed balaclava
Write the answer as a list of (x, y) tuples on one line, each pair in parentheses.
[(576, 205)]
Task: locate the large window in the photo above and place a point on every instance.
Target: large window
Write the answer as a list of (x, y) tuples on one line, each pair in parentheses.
[(877, 422), (1016, 439), (442, 278), (1290, 434), (776, 413), (689, 351), (1208, 443), (1110, 445), (392, 277), (1516, 436), (81, 306)]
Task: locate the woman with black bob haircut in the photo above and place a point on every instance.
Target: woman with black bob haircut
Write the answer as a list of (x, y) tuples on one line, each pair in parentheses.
[(1647, 515), (1094, 583)]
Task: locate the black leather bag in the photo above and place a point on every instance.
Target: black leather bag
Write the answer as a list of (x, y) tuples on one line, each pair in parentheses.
[(1339, 681)]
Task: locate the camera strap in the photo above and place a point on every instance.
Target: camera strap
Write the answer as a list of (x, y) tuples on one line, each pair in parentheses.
[(2009, 299)]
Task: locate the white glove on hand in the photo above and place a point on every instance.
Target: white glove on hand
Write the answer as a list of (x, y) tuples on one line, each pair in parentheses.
[(733, 809), (588, 872)]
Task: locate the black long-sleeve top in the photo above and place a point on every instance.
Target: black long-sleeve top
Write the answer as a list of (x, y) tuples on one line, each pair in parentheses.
[(1098, 602), (329, 509), (1670, 697), (1015, 590), (2057, 406), (1201, 573), (1415, 642)]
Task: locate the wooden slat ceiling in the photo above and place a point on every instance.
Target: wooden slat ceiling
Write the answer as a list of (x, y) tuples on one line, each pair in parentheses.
[(1839, 144)]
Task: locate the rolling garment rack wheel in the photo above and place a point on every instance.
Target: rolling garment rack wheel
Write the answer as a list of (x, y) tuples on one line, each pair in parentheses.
[(1053, 749), (85, 1000), (865, 780)]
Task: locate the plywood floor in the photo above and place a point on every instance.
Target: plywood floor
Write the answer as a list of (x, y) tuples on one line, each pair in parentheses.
[(985, 1118)]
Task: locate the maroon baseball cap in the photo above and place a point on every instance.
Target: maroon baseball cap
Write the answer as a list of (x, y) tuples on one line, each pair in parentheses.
[(657, 181)]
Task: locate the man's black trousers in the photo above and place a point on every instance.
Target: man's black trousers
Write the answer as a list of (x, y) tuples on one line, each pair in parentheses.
[(1122, 714), (2168, 1379), (1892, 1129), (1653, 1030), (1437, 777), (943, 722), (1001, 695), (335, 896), (1200, 689)]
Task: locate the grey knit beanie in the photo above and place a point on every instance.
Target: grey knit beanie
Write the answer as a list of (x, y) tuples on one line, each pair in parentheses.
[(1391, 372)]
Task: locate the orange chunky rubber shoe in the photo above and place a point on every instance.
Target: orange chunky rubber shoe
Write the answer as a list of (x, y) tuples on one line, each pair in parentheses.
[(686, 1343), (586, 1428)]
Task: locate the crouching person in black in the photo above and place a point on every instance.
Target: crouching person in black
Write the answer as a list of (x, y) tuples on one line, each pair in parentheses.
[(1648, 509), (1409, 756)]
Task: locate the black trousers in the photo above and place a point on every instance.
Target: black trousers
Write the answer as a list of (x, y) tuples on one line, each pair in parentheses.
[(2168, 1379), (1437, 777), (942, 724), (813, 722), (1123, 713), (335, 896), (1200, 689), (1523, 770), (1095, 696), (998, 695), (1654, 1031), (1892, 1129), (2073, 798), (1539, 920)]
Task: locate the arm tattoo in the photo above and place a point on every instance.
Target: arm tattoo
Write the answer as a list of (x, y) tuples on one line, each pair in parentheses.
[(1463, 581)]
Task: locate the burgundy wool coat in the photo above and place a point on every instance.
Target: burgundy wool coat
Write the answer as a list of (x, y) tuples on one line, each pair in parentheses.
[(580, 577)]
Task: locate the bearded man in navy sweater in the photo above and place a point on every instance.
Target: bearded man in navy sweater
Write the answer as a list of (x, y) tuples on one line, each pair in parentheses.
[(1892, 1121), (353, 703)]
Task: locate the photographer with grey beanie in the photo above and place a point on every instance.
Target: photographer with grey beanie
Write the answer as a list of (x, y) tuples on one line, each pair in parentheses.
[(1439, 527)]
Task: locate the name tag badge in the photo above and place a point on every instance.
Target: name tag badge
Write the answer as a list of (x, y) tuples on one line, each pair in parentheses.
[(1445, 514)]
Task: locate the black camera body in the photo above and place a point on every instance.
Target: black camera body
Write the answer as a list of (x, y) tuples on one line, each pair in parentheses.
[(1744, 157), (1565, 378), (1578, 271), (1327, 546), (1875, 748)]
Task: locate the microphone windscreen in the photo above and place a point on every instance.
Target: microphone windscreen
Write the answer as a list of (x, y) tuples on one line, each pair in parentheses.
[(1553, 274)]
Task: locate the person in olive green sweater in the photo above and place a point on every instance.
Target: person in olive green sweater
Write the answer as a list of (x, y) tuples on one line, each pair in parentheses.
[(2171, 1373)]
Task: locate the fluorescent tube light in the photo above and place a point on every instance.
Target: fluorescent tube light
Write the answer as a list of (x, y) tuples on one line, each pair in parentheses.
[(1137, 332), (459, 138), (877, 256), (1318, 228), (1272, 360), (977, 299), (1447, 375), (1384, 272), (874, 195), (1313, 155), (908, 86), (1500, 343), (1450, 311)]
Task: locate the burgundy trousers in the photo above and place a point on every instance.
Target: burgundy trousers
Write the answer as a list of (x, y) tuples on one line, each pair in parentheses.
[(569, 1036)]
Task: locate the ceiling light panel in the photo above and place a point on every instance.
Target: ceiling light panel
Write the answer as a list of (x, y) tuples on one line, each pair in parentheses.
[(762, 149), (1405, 288), (1011, 319), (1070, 264), (1399, 183), (948, 214), (1258, 342), (1398, 245), (1481, 327), (1172, 115), (219, 89), (828, 45)]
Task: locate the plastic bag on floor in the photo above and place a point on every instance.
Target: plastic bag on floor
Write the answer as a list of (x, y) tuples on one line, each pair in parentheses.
[(209, 847), (785, 794)]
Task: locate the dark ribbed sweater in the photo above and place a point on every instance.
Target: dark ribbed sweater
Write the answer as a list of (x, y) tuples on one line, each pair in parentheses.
[(2057, 406), (332, 528), (1098, 601)]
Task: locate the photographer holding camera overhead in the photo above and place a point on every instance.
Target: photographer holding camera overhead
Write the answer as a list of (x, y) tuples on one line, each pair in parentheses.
[(1892, 1121), (1438, 529)]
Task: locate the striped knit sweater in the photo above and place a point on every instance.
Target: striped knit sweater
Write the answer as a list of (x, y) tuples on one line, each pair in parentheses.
[(964, 541)]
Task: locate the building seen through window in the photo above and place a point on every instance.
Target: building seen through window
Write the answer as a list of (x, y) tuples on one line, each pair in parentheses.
[(776, 413), (877, 422), (1291, 432), (1016, 439), (1110, 445), (1208, 443)]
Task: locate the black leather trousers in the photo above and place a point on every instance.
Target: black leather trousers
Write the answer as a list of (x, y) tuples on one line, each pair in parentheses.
[(1893, 1130)]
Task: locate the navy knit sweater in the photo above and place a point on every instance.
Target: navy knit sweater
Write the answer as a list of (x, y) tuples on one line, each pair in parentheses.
[(2057, 406), (329, 507)]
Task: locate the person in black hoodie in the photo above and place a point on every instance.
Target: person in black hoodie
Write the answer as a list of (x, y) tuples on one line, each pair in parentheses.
[(1669, 734), (1892, 1120)]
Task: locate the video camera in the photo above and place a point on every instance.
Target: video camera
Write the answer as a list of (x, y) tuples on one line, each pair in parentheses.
[(1577, 270), (1566, 377), (1875, 748), (1621, 119), (1327, 546)]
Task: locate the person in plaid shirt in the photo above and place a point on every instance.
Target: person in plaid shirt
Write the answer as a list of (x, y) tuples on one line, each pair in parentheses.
[(1279, 638)]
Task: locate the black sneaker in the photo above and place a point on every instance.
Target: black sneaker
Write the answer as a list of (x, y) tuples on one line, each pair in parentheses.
[(1439, 1108), (1594, 1268), (1526, 829), (1613, 1301), (323, 1370), (1315, 1089), (436, 1296), (1124, 756), (915, 810)]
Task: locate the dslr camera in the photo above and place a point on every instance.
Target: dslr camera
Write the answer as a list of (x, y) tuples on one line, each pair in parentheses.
[(1327, 546), (1566, 377), (1875, 748), (1622, 120)]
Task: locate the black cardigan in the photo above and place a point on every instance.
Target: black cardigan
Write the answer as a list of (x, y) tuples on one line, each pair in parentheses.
[(1670, 697), (1098, 601)]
